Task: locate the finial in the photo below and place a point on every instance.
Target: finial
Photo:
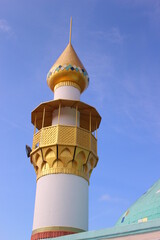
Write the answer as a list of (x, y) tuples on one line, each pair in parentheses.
[(70, 31)]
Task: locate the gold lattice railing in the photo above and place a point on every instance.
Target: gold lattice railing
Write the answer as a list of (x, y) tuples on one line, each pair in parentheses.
[(65, 135)]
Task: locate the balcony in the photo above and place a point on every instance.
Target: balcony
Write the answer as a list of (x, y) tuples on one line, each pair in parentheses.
[(64, 135)]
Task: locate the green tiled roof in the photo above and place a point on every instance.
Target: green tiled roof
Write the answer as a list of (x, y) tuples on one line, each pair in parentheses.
[(146, 208), (114, 232)]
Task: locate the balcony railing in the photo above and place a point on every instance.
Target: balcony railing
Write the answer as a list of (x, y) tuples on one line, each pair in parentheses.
[(65, 135)]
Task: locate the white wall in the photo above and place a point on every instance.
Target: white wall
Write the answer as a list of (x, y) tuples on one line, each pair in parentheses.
[(67, 116), (61, 200), (67, 92)]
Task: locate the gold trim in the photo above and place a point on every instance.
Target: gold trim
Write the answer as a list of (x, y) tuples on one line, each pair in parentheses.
[(69, 76), (67, 83), (63, 171), (57, 228)]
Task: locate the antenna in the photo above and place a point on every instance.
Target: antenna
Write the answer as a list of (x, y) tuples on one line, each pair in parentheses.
[(70, 31)]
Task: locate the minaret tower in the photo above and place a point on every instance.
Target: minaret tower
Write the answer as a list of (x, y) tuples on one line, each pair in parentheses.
[(64, 150)]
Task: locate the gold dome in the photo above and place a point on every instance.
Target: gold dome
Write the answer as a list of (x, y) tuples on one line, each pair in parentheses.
[(68, 69)]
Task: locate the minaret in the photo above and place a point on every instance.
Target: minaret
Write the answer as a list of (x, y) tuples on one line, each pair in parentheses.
[(64, 151)]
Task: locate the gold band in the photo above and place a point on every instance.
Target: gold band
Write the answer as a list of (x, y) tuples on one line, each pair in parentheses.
[(57, 228), (67, 83), (63, 171), (67, 76)]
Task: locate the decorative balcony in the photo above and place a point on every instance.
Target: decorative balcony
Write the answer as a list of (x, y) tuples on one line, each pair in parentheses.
[(64, 135), (63, 148)]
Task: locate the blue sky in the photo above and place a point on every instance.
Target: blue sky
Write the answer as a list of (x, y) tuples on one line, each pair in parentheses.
[(118, 43)]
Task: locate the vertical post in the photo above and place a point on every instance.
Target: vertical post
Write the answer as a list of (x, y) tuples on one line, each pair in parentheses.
[(59, 112), (76, 115), (35, 125), (41, 132), (90, 122), (96, 130), (43, 117), (96, 137), (90, 128), (33, 145), (76, 121)]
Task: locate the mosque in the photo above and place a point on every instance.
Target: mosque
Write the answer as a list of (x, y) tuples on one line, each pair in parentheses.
[(64, 154)]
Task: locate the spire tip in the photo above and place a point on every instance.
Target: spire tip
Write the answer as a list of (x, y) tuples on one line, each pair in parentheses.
[(70, 31)]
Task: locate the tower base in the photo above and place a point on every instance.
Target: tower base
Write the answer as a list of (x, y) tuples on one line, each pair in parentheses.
[(53, 232), (50, 234)]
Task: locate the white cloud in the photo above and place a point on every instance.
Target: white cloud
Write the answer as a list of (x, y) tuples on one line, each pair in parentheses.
[(141, 102), (154, 13), (105, 198), (151, 8), (100, 67), (109, 198), (4, 26), (14, 124), (113, 35)]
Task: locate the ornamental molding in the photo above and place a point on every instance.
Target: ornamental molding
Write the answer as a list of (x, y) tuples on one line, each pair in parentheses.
[(67, 83), (65, 160)]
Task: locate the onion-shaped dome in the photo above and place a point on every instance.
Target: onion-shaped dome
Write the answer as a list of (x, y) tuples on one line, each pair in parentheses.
[(68, 69), (145, 209)]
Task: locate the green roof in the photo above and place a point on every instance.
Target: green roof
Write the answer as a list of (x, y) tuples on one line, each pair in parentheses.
[(146, 208), (114, 232)]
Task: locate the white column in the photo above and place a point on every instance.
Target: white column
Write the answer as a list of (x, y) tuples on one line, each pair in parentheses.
[(61, 200), (67, 92)]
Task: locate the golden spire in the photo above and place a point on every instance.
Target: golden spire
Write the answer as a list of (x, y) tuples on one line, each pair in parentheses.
[(70, 35), (68, 69)]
